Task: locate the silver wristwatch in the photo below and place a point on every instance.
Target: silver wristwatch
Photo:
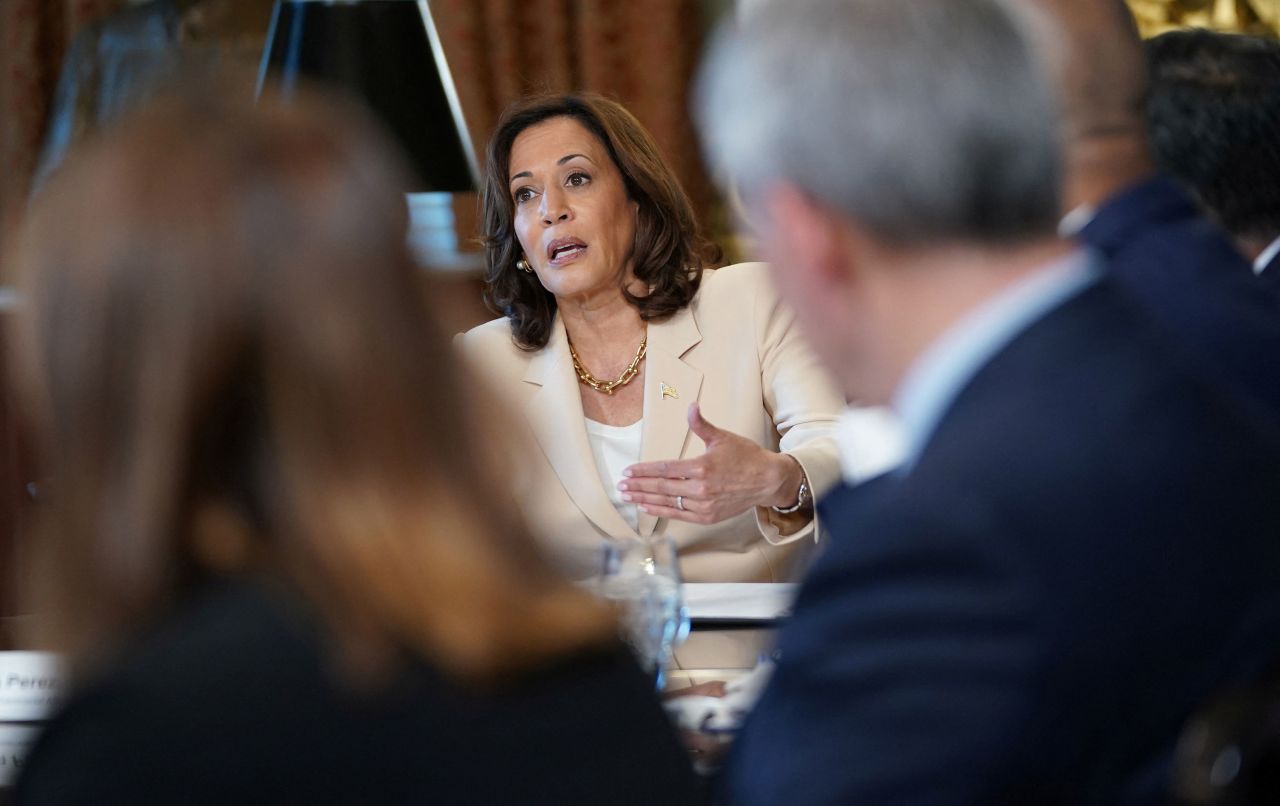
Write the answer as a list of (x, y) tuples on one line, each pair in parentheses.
[(802, 498)]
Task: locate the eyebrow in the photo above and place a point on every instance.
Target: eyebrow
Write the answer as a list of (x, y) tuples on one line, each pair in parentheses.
[(560, 161)]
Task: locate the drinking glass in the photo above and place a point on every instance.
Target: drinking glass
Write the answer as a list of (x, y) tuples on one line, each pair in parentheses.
[(643, 578)]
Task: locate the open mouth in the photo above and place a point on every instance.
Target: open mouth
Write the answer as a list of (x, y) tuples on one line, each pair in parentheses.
[(563, 250)]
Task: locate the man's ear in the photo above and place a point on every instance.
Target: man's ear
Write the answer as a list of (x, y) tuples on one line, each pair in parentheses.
[(805, 234)]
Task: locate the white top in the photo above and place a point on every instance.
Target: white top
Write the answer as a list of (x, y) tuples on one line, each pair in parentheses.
[(615, 448)]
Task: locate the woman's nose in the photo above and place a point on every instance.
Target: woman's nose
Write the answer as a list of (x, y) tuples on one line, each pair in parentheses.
[(555, 208)]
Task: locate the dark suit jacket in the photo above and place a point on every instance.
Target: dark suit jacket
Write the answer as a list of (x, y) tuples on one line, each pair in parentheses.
[(1088, 546), (234, 702), (1185, 274), (1270, 275)]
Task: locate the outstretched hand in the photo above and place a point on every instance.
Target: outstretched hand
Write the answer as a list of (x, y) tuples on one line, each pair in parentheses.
[(734, 475)]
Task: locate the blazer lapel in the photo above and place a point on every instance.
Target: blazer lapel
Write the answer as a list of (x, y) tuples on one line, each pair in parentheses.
[(555, 415), (670, 385)]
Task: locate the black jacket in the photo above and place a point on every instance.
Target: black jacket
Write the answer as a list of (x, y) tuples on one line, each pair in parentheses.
[(234, 701)]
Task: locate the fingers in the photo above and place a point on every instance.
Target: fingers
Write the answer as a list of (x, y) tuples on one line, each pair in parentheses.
[(706, 432), (713, 688), (657, 499), (687, 509), (686, 468), (676, 469), (666, 487)]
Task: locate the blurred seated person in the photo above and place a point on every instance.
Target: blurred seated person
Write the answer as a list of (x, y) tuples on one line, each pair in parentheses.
[(666, 398), (1214, 111), (277, 577), (1028, 609)]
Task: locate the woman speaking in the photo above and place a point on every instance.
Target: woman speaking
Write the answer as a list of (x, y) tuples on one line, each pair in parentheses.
[(665, 398)]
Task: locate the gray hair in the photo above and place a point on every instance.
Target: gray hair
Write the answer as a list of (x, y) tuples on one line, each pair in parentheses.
[(923, 120)]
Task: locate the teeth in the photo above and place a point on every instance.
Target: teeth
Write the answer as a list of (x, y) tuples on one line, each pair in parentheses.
[(564, 250)]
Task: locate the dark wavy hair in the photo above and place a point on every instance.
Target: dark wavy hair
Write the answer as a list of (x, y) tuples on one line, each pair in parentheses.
[(1213, 113), (669, 252)]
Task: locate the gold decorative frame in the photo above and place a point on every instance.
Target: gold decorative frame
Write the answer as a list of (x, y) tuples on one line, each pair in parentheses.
[(1241, 16)]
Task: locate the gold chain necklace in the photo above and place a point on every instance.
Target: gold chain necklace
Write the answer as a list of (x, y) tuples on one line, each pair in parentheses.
[(608, 386)]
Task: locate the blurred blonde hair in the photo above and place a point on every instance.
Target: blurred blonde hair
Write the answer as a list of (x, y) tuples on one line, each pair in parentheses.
[(231, 368)]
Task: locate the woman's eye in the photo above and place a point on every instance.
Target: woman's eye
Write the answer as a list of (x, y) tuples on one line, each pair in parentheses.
[(577, 179), (523, 195)]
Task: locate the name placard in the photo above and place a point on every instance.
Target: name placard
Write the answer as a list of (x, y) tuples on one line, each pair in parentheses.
[(30, 685), (15, 743)]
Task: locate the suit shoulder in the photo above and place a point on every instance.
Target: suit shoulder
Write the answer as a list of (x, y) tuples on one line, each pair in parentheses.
[(734, 286), (489, 339), (490, 350), (493, 330), (736, 278)]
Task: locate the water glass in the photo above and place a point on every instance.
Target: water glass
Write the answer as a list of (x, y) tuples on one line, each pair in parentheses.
[(643, 578)]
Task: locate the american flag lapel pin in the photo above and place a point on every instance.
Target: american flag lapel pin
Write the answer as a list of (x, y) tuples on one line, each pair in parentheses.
[(669, 391)]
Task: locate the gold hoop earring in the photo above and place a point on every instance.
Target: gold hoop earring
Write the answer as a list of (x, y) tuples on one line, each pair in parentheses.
[(523, 265)]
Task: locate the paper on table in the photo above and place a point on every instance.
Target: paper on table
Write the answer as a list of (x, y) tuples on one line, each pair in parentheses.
[(738, 601), (30, 685), (15, 742)]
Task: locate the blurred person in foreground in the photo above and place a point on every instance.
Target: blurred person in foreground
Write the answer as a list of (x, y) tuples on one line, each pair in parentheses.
[(667, 398), (1062, 568), (1214, 115), (277, 567), (1159, 247)]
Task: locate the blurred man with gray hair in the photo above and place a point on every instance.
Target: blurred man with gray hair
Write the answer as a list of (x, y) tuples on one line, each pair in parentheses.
[(1008, 616)]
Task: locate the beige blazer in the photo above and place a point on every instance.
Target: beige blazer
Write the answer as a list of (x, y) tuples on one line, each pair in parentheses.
[(735, 351)]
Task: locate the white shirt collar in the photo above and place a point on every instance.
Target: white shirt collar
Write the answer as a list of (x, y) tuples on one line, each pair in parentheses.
[(1076, 220), (1266, 256)]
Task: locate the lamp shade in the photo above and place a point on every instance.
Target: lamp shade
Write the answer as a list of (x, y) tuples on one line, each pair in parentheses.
[(388, 54)]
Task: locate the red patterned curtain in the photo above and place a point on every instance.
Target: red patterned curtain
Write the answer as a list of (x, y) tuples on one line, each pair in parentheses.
[(641, 52), (34, 35)]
